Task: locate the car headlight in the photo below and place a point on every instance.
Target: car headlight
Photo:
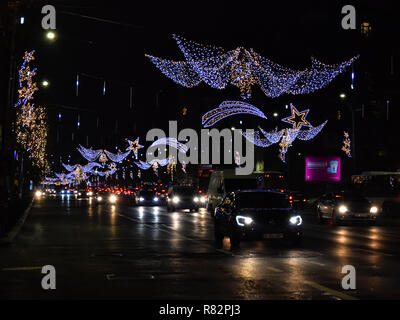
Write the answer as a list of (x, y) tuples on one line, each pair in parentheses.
[(141, 199), (242, 220), (99, 198), (175, 199), (196, 199), (38, 193), (297, 220), (202, 199), (79, 194), (155, 199), (113, 199), (62, 191), (90, 193), (343, 209), (373, 209)]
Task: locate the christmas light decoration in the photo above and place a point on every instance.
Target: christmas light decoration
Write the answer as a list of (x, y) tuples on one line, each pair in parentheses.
[(134, 146), (346, 144), (89, 154), (102, 155), (244, 68), (172, 142), (287, 136), (293, 119), (117, 157), (31, 122), (227, 109)]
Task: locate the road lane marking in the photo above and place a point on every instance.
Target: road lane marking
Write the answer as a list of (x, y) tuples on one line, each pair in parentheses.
[(22, 269), (330, 291)]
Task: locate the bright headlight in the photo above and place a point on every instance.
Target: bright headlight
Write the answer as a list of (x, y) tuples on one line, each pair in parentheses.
[(141, 199), (343, 209), (196, 199), (99, 198), (90, 193), (242, 220), (373, 209), (202, 199), (175, 199), (113, 199), (38, 193), (155, 199), (297, 220)]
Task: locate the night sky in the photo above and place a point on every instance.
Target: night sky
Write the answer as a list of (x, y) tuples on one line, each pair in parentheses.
[(287, 33)]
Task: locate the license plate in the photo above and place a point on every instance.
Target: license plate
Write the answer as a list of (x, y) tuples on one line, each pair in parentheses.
[(273, 235), (361, 214)]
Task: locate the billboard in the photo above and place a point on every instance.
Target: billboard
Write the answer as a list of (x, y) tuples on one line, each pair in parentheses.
[(323, 169)]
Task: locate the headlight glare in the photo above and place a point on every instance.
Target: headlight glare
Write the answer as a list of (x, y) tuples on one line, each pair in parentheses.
[(297, 220), (175, 199), (343, 209), (373, 209), (242, 220)]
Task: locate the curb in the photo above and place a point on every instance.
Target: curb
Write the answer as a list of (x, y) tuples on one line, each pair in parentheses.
[(9, 237)]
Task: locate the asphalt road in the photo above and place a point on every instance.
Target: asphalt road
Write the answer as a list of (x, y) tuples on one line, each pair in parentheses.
[(122, 252)]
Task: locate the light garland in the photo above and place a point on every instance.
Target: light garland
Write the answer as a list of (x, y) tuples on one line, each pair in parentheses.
[(244, 68), (31, 122), (347, 144), (102, 155), (227, 109)]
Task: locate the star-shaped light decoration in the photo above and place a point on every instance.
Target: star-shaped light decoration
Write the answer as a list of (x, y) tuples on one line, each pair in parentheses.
[(347, 144), (134, 146), (294, 118)]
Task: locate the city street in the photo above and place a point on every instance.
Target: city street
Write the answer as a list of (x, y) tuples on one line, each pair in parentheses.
[(113, 252)]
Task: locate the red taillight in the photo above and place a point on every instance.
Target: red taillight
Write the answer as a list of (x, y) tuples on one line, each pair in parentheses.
[(290, 197)]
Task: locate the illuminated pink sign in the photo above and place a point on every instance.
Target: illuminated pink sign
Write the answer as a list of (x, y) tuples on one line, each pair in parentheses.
[(323, 169)]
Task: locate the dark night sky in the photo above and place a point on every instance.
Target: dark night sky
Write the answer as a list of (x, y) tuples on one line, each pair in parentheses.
[(286, 32)]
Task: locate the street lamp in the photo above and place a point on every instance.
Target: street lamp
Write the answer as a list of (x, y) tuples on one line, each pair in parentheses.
[(275, 114), (342, 96), (50, 35), (45, 83)]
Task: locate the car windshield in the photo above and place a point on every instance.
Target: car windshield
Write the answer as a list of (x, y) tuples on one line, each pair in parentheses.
[(237, 184), (184, 191), (262, 200), (147, 193), (351, 197)]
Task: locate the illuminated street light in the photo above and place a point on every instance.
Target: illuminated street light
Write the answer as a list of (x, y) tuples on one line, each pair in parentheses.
[(50, 35), (275, 114), (342, 96), (45, 83)]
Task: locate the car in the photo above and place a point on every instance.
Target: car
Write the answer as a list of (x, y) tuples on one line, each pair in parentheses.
[(84, 194), (255, 215), (182, 197), (344, 206), (147, 198), (298, 199), (222, 182)]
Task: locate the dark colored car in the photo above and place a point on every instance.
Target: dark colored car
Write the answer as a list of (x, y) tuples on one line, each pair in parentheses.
[(84, 194), (345, 206), (182, 197), (299, 200), (257, 214), (147, 198)]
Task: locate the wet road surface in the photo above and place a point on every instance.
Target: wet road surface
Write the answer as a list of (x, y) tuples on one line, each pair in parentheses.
[(107, 252)]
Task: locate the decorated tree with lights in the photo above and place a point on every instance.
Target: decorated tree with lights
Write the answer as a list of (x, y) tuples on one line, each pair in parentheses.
[(31, 124)]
